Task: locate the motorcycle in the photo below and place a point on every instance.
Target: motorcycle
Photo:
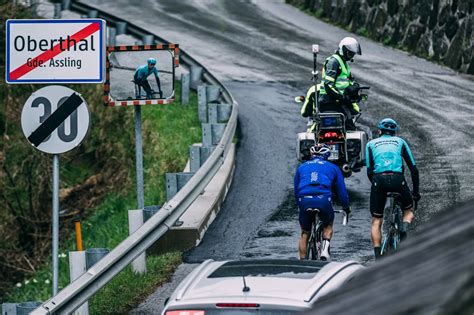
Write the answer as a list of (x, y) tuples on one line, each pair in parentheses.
[(347, 146)]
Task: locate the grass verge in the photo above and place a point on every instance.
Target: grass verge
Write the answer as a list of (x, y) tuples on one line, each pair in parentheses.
[(127, 290)]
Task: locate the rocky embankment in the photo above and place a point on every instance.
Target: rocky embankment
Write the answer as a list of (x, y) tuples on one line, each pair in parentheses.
[(441, 30)]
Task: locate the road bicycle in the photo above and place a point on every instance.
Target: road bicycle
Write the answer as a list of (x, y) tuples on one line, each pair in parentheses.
[(392, 224), (315, 241)]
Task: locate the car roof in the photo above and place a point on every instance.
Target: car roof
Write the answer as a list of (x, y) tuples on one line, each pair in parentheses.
[(269, 281)]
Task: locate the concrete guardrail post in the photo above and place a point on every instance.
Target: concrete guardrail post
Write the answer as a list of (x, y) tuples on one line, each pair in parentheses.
[(57, 11), (121, 28), (93, 255), (185, 88), (148, 39), (33, 6), (93, 14), (219, 113), (196, 75), (26, 307), (66, 4), (9, 308), (77, 267), (198, 155), (212, 93), (149, 211), (135, 221), (212, 134), (111, 36), (202, 103), (176, 181)]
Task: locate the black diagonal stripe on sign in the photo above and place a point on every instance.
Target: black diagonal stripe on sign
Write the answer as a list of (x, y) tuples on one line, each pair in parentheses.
[(55, 119)]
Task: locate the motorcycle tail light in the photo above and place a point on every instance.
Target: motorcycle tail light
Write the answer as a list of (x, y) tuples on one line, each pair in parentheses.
[(331, 135)]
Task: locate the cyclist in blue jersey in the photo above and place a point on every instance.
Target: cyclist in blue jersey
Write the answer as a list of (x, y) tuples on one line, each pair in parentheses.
[(313, 183), (384, 158), (142, 73)]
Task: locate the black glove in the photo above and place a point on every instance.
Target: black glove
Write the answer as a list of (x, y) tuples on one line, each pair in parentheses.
[(352, 90), (416, 196), (348, 210), (346, 99)]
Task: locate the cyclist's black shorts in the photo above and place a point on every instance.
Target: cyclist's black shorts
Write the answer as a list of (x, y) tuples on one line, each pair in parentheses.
[(384, 183)]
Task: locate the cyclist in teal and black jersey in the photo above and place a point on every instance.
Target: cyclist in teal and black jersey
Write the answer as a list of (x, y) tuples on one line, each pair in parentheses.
[(385, 157), (142, 73)]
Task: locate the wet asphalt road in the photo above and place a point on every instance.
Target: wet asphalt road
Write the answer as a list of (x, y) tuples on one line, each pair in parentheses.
[(261, 50)]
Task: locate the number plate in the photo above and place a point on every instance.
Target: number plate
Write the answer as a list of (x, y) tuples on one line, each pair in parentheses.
[(334, 152)]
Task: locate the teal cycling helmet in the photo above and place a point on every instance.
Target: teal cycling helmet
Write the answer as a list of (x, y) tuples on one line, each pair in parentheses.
[(151, 61), (388, 124)]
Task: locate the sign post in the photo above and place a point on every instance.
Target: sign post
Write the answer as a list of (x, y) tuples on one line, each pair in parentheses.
[(139, 157), (55, 217), (55, 119), (122, 64)]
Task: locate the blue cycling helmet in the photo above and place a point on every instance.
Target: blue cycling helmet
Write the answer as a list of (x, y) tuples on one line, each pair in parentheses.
[(320, 149), (388, 124), (151, 61)]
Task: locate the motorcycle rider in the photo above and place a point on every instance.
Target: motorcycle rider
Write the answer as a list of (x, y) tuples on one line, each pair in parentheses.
[(338, 89), (142, 73), (385, 157), (313, 183)]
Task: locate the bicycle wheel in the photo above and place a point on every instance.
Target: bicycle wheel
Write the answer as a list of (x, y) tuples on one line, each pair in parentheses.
[(319, 240), (386, 241), (397, 224), (311, 248)]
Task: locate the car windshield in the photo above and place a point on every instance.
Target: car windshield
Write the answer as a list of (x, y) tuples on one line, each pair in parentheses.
[(290, 269)]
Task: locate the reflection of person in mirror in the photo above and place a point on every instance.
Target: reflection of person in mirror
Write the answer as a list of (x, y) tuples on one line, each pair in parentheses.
[(141, 75)]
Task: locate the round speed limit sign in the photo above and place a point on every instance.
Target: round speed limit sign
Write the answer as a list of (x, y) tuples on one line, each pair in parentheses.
[(55, 119)]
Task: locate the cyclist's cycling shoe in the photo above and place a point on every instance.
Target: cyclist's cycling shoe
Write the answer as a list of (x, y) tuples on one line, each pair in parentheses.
[(325, 252), (403, 231)]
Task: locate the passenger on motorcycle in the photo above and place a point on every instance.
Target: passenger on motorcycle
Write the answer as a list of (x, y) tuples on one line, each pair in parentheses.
[(384, 159), (337, 89), (309, 106), (313, 184), (142, 73)]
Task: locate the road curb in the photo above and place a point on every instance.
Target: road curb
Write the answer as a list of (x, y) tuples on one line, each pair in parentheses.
[(201, 213)]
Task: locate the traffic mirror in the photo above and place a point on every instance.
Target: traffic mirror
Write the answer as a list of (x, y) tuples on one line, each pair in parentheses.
[(141, 75)]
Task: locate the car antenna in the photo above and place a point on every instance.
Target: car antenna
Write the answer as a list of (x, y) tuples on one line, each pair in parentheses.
[(246, 288)]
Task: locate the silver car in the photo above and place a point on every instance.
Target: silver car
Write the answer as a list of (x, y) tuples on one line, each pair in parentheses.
[(257, 286)]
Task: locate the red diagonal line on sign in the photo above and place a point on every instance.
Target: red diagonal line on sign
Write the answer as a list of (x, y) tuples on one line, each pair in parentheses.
[(83, 33)]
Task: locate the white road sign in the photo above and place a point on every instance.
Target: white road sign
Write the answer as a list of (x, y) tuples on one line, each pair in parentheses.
[(55, 51), (55, 119)]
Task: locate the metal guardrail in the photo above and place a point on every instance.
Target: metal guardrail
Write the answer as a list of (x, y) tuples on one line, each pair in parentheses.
[(79, 291)]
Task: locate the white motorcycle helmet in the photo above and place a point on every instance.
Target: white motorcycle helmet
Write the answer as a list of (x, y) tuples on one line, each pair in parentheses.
[(349, 47)]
